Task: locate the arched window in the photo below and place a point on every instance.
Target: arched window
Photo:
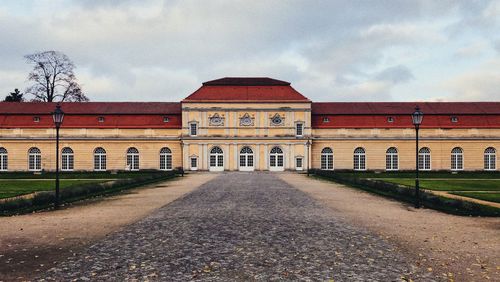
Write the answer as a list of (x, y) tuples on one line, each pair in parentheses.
[(457, 159), (67, 159), (3, 159), (327, 158), (34, 159), (99, 159), (133, 159), (490, 159), (359, 159), (391, 159), (216, 159), (165, 159), (424, 159), (276, 159), (246, 158)]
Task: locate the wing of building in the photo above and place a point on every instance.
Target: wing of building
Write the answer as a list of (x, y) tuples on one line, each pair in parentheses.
[(250, 124)]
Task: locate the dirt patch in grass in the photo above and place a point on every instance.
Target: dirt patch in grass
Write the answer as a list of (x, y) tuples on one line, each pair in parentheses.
[(485, 196)]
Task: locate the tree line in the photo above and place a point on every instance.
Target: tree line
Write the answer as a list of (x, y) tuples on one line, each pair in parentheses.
[(52, 80)]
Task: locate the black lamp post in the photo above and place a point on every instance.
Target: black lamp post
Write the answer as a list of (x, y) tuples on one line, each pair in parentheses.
[(58, 116), (308, 144), (417, 118)]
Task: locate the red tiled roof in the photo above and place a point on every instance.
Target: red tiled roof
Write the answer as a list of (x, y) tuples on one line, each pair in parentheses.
[(86, 115), (404, 121), (405, 108), (376, 114), (251, 89)]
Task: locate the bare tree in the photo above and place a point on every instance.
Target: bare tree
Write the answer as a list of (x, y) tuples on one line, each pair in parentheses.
[(15, 96), (53, 77)]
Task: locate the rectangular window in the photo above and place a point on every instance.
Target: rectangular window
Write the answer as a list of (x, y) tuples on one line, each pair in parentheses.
[(424, 162), (489, 162), (67, 162), (194, 163), (213, 161), (272, 160), (457, 162), (165, 162), (193, 129), (3, 162), (250, 161), (298, 163), (35, 163), (280, 160), (100, 162), (359, 162), (299, 129), (242, 161)]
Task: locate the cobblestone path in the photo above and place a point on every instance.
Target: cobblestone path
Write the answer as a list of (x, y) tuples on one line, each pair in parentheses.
[(239, 226)]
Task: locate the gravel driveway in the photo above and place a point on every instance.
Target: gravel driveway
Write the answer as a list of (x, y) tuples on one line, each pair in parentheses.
[(240, 226)]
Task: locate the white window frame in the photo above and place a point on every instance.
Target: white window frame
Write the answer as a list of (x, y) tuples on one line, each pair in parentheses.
[(246, 157), (166, 162), (191, 159), (359, 158), (327, 159), (490, 159), (392, 159), (301, 161), (297, 125), (35, 159), (4, 159), (67, 159), (422, 159), (133, 159), (195, 124), (101, 159), (456, 159)]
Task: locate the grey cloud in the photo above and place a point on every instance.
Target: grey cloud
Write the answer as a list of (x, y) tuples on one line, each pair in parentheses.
[(165, 49), (396, 74)]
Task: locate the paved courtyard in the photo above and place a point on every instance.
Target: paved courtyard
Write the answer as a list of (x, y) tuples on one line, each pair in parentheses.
[(240, 226)]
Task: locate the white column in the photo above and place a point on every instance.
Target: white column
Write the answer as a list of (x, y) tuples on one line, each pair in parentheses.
[(266, 162), (235, 158), (185, 158), (257, 158)]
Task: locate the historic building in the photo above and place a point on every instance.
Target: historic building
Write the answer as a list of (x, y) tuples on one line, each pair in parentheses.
[(249, 124)]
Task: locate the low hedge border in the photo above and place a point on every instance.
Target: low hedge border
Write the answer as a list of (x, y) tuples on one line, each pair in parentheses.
[(45, 199), (405, 194)]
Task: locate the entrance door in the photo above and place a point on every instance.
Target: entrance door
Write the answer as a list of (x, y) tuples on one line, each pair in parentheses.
[(216, 159), (246, 159), (276, 159)]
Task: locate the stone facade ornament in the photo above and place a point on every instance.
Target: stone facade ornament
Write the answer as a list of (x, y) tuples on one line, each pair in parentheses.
[(216, 120), (246, 120), (277, 120)]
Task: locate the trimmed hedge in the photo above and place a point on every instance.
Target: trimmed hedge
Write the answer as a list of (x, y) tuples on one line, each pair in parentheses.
[(43, 200), (406, 194)]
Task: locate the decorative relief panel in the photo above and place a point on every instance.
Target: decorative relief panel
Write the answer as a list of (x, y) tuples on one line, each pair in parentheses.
[(216, 120), (277, 120), (246, 120)]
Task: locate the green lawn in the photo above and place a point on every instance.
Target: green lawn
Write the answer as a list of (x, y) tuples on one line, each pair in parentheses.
[(425, 174), (492, 197), (450, 184), (11, 188)]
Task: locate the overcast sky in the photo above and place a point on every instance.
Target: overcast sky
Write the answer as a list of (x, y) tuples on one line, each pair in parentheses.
[(329, 50)]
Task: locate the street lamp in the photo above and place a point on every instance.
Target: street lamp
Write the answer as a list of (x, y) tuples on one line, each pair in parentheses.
[(58, 116), (417, 118), (308, 144)]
